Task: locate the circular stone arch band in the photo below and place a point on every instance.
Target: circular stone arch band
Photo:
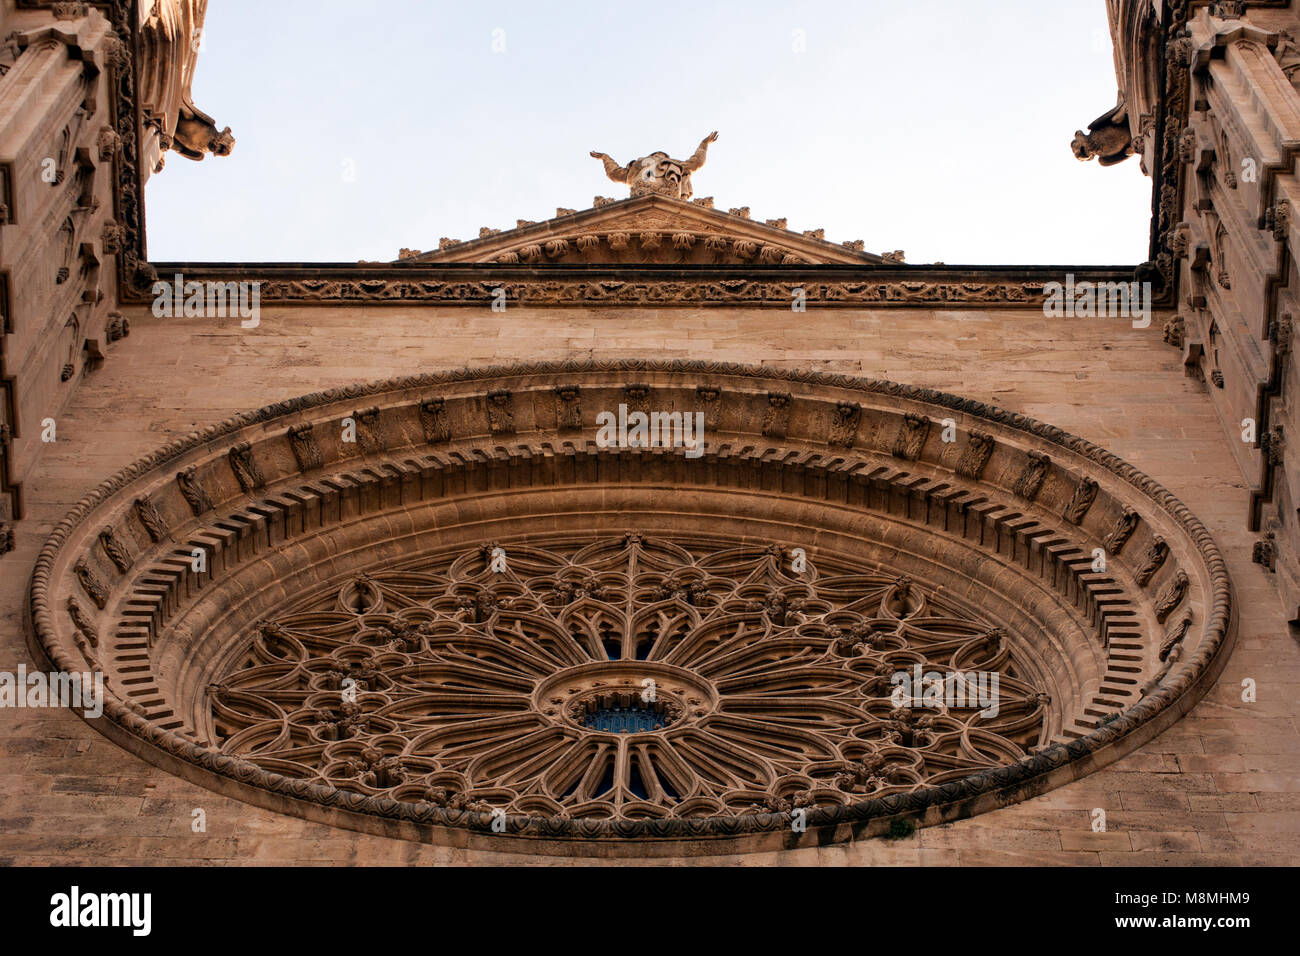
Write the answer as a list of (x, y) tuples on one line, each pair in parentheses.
[(1001, 513)]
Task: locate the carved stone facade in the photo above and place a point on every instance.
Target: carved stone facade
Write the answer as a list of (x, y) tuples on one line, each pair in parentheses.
[(412, 607), (450, 652), (69, 192), (1224, 162), (56, 289)]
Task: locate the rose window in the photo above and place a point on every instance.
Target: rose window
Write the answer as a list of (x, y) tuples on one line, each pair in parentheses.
[(628, 675)]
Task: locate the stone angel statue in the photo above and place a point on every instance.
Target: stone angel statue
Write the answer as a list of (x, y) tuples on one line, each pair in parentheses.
[(658, 172)]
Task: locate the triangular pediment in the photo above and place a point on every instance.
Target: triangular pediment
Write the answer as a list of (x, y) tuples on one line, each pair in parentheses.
[(650, 230)]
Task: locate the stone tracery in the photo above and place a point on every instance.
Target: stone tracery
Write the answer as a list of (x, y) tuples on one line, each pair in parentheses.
[(744, 686)]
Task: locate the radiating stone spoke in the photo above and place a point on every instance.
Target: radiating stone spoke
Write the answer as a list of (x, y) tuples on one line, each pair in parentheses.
[(620, 676)]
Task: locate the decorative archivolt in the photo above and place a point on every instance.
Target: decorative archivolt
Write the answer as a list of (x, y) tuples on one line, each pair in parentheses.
[(271, 488)]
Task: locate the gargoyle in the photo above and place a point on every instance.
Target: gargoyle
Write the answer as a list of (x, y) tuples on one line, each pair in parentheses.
[(197, 135), (1108, 137)]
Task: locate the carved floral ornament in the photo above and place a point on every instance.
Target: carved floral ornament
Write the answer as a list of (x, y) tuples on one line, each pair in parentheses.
[(481, 692)]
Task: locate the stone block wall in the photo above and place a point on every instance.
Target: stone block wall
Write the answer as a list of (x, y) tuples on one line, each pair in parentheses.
[(1237, 65), (1221, 786), (57, 233)]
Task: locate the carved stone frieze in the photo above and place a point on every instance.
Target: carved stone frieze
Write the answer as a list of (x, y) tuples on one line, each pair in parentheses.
[(1172, 595), (501, 412), (116, 327), (776, 417), (1264, 551), (1119, 535), (245, 467), (1152, 561), (115, 549), (82, 622), (844, 423), (369, 430), (568, 407), (1175, 636), (91, 584), (1175, 332)]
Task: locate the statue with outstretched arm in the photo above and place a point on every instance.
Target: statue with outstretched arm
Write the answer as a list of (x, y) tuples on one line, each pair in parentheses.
[(612, 169), (697, 157), (658, 172)]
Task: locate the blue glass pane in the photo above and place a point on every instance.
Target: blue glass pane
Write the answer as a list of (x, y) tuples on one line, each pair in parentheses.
[(623, 720)]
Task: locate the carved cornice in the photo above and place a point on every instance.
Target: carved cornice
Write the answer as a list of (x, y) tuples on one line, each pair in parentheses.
[(478, 285)]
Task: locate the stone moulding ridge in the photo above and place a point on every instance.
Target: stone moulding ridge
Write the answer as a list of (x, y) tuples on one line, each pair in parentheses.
[(828, 286), (1136, 723)]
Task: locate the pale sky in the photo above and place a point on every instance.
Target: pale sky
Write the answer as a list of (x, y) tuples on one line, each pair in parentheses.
[(939, 127)]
